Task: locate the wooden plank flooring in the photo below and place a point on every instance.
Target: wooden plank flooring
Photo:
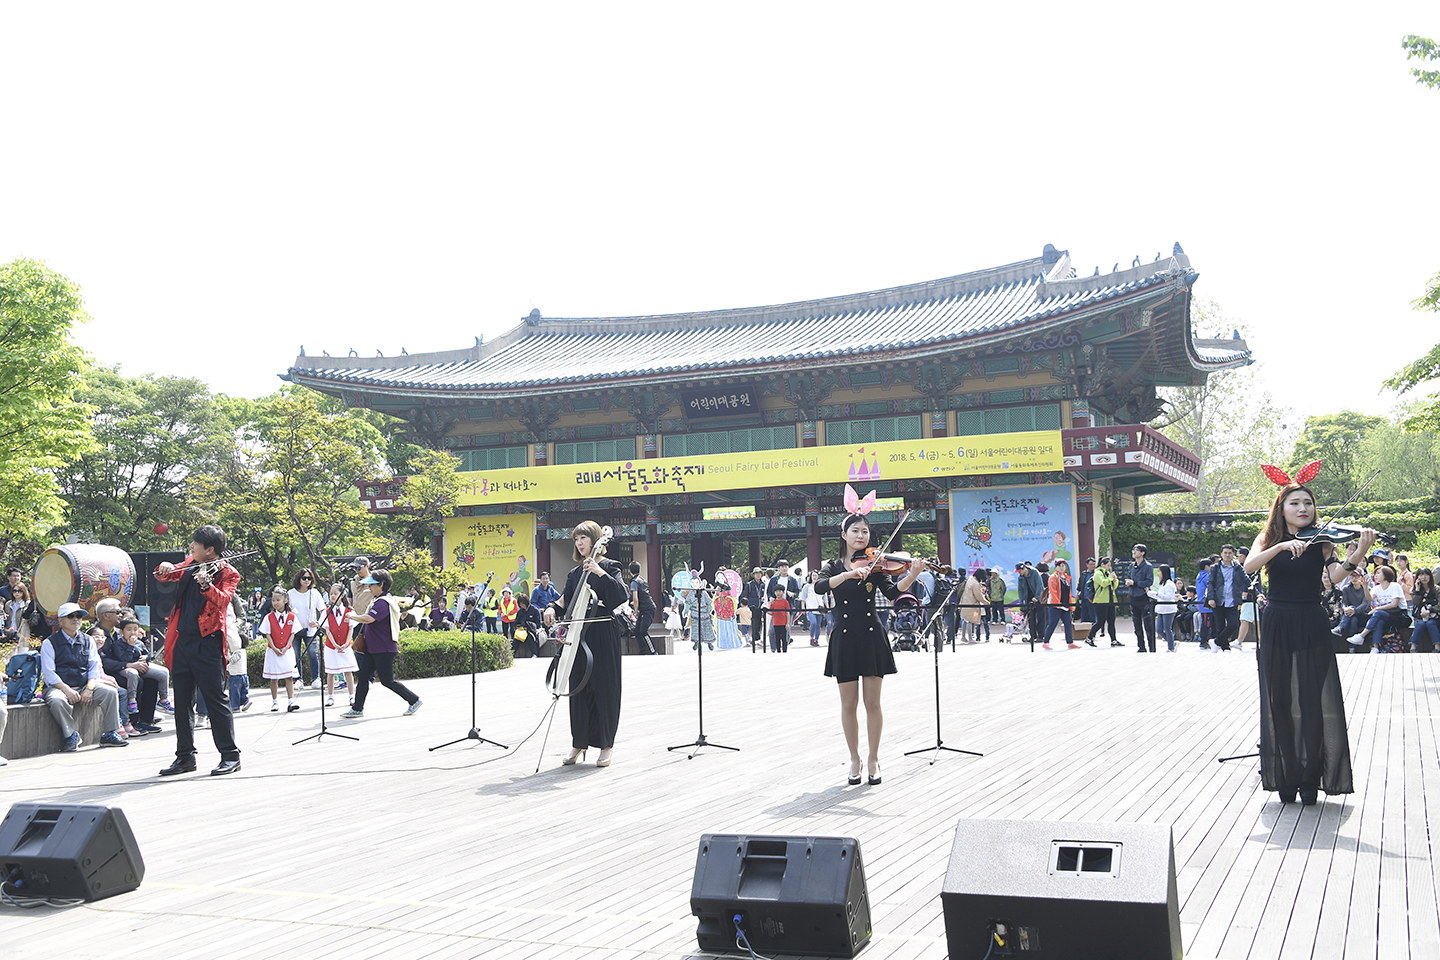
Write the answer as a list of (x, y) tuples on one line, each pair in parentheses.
[(381, 848)]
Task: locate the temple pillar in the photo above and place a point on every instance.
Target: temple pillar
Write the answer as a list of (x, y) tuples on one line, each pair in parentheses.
[(814, 547)]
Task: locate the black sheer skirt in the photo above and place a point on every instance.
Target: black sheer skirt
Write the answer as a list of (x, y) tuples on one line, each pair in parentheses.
[(1303, 739)]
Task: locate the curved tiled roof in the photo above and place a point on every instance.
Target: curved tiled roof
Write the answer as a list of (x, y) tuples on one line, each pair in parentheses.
[(940, 313)]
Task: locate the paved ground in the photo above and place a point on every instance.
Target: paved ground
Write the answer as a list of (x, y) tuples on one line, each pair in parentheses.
[(380, 848)]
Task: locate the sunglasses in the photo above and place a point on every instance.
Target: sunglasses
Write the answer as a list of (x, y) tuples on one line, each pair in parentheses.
[(306, 579)]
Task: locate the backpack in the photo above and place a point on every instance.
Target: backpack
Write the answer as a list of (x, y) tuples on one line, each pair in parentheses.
[(24, 673)]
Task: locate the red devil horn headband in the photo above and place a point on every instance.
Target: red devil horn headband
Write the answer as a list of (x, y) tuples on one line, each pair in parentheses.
[(1282, 479)]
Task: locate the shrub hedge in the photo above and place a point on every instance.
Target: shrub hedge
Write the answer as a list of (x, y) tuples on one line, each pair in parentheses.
[(422, 654), (1408, 520)]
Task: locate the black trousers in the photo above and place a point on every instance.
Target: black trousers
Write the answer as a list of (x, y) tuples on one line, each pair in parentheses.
[(1105, 620), (642, 632), (199, 665), (1035, 620), (1142, 612), (1227, 626), (382, 665)]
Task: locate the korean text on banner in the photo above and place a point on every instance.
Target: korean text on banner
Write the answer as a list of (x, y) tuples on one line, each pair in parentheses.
[(1003, 453), (478, 545)]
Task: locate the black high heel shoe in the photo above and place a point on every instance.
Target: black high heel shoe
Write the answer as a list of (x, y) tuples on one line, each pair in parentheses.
[(854, 778), (1287, 796), (875, 777), (1309, 797)]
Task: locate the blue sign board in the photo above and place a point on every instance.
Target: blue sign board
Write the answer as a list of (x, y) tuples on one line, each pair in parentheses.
[(1002, 526)]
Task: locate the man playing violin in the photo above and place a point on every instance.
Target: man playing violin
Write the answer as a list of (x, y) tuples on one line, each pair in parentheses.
[(195, 648)]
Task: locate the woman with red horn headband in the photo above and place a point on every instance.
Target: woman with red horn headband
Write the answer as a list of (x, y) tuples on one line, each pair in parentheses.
[(1304, 746)]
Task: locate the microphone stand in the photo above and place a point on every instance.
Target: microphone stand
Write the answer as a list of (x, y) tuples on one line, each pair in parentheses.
[(324, 730), (700, 740), (474, 732), (1251, 589), (939, 743)]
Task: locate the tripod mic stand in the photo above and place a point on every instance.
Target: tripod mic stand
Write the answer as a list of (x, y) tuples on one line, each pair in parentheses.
[(474, 732), (939, 743), (324, 730), (1252, 590), (700, 740)]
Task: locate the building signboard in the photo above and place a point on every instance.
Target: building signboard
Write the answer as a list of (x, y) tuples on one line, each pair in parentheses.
[(997, 453), (727, 401)]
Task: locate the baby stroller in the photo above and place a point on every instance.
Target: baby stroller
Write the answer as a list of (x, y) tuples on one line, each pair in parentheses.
[(906, 622)]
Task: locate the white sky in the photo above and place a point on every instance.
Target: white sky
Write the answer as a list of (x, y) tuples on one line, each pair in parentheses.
[(228, 182)]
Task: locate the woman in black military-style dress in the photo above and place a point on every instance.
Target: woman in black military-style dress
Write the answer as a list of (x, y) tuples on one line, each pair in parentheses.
[(859, 656)]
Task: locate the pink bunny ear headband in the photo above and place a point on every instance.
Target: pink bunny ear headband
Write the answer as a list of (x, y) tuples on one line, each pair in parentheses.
[(1282, 479), (856, 507)]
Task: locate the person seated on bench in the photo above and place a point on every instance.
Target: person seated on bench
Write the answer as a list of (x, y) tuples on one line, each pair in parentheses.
[(125, 658), (74, 677)]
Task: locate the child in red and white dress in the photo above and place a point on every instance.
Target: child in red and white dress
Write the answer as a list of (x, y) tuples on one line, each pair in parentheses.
[(339, 652), (279, 627)]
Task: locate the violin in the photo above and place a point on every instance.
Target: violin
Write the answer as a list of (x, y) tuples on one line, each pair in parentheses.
[(1339, 533), (896, 564)]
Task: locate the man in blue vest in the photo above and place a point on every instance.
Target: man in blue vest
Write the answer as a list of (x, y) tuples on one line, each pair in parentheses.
[(70, 666)]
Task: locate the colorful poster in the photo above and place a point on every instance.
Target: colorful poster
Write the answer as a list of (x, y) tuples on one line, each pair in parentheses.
[(997, 453), (1002, 526), (478, 545)]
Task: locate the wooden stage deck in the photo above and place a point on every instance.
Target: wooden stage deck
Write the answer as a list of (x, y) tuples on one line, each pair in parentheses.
[(381, 849)]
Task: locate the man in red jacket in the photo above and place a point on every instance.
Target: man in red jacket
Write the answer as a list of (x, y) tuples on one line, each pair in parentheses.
[(195, 649)]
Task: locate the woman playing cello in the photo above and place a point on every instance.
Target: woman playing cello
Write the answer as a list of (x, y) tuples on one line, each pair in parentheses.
[(595, 706)]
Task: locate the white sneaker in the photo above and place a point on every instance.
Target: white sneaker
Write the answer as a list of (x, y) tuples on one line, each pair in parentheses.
[(329, 701), (274, 706), (1358, 640)]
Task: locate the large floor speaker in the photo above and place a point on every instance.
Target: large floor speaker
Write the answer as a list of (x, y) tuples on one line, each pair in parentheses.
[(802, 895), (1079, 891), (68, 851)]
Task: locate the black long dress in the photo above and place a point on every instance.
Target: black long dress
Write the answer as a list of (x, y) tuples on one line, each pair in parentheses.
[(859, 644), (1303, 741), (595, 708)]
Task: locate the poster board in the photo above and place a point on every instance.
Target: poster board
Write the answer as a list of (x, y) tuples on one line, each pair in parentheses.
[(505, 544), (1001, 526)]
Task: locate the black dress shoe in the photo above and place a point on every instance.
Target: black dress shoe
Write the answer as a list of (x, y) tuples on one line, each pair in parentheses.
[(1287, 796), (1309, 797), (146, 727), (226, 766), (185, 765)]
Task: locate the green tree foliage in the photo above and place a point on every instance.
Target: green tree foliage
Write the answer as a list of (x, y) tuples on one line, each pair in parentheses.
[(43, 428), (1232, 424), (153, 432), (1427, 415), (1338, 439), (287, 484), (1408, 461), (1419, 48)]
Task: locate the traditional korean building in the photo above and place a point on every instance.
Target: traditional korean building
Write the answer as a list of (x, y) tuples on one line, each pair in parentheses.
[(1027, 348)]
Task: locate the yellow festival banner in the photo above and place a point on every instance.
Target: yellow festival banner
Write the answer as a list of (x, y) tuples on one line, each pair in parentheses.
[(996, 453), (478, 545)]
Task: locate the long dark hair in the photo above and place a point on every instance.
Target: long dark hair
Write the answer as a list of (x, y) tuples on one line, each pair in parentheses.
[(1428, 594), (1275, 529)]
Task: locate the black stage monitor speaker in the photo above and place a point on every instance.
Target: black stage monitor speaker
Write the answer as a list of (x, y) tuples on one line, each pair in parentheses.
[(68, 851), (1064, 890), (802, 895)]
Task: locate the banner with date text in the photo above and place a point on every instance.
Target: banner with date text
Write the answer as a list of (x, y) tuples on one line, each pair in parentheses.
[(996, 453)]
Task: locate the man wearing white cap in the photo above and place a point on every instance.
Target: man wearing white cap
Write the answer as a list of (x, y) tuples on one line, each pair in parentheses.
[(70, 667)]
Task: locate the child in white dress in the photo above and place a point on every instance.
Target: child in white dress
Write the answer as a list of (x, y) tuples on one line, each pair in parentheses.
[(339, 652), (278, 628)]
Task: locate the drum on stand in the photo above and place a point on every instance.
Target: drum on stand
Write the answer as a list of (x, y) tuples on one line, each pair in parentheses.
[(83, 573)]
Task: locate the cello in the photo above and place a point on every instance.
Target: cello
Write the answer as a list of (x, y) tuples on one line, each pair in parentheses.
[(570, 632)]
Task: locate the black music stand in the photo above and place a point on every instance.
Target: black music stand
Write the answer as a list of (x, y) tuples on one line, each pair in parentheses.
[(700, 741), (474, 732), (939, 743)]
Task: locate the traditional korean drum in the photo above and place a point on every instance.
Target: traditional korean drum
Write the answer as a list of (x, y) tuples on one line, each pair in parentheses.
[(83, 573)]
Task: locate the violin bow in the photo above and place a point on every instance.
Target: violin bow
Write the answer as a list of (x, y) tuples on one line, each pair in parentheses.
[(1334, 514)]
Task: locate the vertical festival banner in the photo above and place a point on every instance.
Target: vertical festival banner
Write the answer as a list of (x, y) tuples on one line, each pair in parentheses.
[(478, 545), (1002, 526)]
